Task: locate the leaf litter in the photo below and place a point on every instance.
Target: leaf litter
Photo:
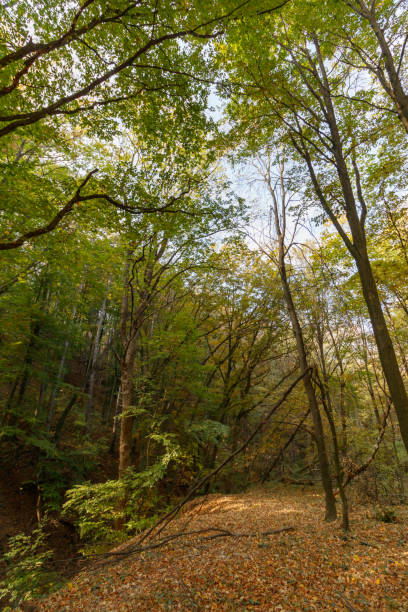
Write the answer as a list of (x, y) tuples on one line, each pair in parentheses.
[(311, 567)]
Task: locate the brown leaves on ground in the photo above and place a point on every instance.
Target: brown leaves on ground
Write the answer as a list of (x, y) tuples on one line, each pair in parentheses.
[(314, 567)]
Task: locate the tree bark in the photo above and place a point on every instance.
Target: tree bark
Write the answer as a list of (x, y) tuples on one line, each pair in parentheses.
[(60, 374), (280, 227), (331, 513), (357, 246), (392, 86), (127, 418), (385, 346), (95, 355)]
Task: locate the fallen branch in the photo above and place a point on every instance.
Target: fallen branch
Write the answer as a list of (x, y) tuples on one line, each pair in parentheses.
[(346, 602), (217, 532), (266, 474), (167, 518), (162, 523), (226, 533), (365, 465)]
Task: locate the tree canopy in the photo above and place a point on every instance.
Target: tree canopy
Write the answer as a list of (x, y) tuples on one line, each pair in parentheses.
[(203, 244)]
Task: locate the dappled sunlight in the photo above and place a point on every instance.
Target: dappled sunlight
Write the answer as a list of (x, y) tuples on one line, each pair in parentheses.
[(251, 547)]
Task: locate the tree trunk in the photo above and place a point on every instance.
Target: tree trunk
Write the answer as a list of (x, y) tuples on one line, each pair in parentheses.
[(331, 513), (127, 420), (328, 407), (28, 362), (358, 249), (126, 381), (385, 347), (115, 422), (95, 355), (61, 367)]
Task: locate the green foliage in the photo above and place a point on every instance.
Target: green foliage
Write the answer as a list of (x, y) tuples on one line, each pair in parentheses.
[(205, 312), (98, 508), (387, 515), (27, 573), (210, 431)]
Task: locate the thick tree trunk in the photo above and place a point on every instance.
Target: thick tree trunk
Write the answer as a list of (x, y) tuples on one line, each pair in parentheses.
[(129, 342), (385, 347), (358, 249)]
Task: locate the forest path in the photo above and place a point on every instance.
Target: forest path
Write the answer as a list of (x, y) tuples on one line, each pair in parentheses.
[(311, 568)]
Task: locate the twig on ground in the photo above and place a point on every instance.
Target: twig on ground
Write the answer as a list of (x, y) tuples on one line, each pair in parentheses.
[(348, 605), (217, 533)]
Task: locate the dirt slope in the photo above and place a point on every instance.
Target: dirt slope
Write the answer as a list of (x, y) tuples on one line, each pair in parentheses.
[(311, 568)]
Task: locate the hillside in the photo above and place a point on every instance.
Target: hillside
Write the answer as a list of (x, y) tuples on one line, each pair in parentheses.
[(312, 567)]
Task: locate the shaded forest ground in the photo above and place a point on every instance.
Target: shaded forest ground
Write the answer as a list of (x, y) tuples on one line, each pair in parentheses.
[(312, 567), (19, 505)]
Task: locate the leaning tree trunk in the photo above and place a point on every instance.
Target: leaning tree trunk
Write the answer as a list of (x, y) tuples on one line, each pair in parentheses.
[(331, 513), (384, 343), (357, 246), (279, 214)]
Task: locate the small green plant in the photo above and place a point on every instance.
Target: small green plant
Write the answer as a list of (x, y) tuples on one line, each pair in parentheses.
[(386, 515), (131, 501), (27, 576)]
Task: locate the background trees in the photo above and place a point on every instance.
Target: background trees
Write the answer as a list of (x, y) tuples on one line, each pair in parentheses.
[(149, 319)]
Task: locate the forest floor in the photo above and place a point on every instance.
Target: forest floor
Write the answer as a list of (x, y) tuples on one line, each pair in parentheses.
[(312, 567)]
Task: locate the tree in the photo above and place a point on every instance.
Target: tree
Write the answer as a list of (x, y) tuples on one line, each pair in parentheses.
[(300, 96), (273, 174)]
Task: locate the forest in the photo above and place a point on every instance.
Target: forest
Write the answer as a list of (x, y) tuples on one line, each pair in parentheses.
[(204, 305)]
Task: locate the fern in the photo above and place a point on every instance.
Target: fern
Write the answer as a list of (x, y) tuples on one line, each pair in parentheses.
[(98, 507), (27, 576)]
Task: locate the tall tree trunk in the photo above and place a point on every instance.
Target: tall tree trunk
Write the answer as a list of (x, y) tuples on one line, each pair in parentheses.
[(61, 367), (127, 418), (328, 407), (115, 422), (62, 418), (280, 227), (25, 377), (331, 513), (342, 395), (357, 246), (95, 355), (41, 396), (126, 381), (385, 347)]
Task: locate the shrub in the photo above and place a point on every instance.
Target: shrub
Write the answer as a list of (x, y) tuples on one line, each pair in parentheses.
[(27, 576), (131, 501), (387, 515)]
